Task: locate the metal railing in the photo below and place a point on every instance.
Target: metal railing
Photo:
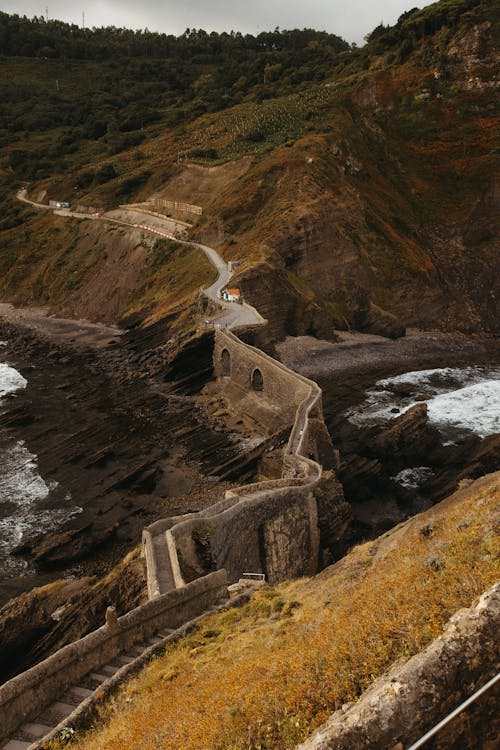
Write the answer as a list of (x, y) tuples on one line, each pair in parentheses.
[(454, 713)]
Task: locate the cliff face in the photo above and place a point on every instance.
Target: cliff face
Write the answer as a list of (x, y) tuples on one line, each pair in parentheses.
[(367, 200), (388, 209)]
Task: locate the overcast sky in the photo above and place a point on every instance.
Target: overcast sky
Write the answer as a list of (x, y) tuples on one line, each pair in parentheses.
[(350, 19)]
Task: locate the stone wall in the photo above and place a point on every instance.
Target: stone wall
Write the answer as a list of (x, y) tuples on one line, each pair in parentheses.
[(268, 527), (29, 693), (258, 385), (273, 531)]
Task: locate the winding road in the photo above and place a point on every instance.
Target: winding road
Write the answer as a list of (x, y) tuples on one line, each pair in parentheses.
[(231, 315)]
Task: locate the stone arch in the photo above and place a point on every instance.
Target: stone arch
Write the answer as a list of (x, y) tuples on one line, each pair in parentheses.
[(225, 363), (257, 380)]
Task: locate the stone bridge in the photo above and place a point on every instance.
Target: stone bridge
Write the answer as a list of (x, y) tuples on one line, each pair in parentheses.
[(268, 527)]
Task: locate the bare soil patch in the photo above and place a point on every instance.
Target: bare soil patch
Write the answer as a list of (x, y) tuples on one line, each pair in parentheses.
[(201, 185)]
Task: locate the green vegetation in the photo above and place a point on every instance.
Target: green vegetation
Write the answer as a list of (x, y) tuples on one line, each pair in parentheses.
[(363, 147), (99, 91), (416, 25)]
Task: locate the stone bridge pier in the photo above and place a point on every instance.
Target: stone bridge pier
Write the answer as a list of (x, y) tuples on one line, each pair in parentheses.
[(276, 520), (263, 389)]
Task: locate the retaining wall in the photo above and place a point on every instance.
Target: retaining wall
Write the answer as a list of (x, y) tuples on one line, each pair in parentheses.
[(29, 693), (275, 404)]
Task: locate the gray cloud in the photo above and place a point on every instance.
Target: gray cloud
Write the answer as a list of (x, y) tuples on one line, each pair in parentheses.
[(351, 19)]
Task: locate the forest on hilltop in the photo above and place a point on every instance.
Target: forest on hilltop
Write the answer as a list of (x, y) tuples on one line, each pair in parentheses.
[(112, 83)]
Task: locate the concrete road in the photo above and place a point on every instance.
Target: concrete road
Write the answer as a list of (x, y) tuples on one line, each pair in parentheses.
[(232, 314)]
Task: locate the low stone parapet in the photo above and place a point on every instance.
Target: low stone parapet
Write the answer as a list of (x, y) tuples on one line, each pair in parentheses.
[(26, 695)]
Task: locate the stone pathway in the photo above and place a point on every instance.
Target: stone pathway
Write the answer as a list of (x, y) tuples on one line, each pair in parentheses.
[(50, 722)]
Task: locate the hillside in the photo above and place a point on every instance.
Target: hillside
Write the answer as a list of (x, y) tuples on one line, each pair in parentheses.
[(352, 189), (266, 674), (362, 187)]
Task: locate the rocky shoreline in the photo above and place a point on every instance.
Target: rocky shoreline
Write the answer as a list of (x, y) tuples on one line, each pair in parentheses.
[(118, 444), (372, 454)]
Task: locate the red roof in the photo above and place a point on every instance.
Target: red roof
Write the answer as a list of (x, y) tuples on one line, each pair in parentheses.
[(234, 291)]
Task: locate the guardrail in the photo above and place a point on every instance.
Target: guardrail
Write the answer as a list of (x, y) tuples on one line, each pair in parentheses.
[(427, 736)]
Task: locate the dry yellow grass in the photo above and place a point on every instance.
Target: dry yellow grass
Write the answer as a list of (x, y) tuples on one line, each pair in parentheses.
[(265, 675)]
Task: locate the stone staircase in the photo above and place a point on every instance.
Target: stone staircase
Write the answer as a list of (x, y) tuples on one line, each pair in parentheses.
[(55, 716), (164, 569), (62, 692)]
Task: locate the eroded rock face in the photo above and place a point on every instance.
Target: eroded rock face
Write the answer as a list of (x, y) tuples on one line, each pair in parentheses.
[(401, 706), (371, 453), (284, 307), (334, 517), (372, 319), (39, 622), (372, 456)]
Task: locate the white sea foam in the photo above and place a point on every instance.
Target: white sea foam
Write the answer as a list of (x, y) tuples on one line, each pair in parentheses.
[(22, 495), (23, 492), (436, 378), (459, 400), (475, 408), (414, 476), (10, 380)]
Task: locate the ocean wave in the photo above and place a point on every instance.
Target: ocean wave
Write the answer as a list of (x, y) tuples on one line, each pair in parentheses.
[(437, 378), (414, 476), (10, 380), (475, 408), (23, 494), (459, 400)]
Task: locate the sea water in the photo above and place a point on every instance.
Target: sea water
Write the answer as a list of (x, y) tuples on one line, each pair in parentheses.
[(460, 401), (25, 502)]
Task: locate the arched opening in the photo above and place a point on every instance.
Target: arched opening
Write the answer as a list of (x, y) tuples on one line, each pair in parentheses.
[(225, 363), (257, 380)]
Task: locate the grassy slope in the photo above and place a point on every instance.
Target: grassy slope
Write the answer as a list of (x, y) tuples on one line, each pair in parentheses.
[(265, 675), (72, 265)]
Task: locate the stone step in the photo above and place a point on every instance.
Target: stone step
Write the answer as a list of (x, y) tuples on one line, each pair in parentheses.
[(166, 632), (126, 658), (110, 669), (56, 712), (16, 745), (138, 650), (154, 639), (34, 731), (79, 693), (97, 677)]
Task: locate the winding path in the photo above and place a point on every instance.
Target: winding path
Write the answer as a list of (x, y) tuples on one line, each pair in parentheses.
[(232, 314), (64, 689)]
